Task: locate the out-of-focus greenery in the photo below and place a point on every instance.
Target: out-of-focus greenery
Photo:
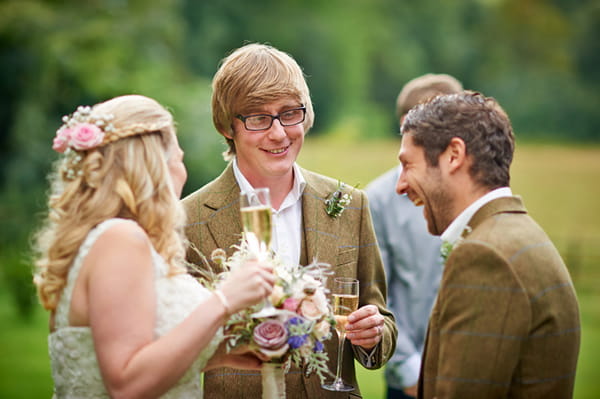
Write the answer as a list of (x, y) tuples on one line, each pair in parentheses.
[(553, 180), (538, 57)]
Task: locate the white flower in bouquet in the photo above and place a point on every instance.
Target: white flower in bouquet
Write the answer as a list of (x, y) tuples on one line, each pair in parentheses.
[(301, 322)]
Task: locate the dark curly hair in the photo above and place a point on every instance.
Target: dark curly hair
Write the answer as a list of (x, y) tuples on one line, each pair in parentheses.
[(478, 120)]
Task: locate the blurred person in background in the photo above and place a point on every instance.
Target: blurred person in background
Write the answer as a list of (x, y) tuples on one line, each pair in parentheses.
[(411, 256), (505, 323)]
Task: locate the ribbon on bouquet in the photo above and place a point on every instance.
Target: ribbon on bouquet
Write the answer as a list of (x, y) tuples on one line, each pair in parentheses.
[(273, 381)]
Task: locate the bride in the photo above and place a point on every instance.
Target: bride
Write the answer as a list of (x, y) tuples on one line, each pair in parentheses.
[(125, 318)]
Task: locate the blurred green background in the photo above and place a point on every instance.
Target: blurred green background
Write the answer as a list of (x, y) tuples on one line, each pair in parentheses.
[(539, 58)]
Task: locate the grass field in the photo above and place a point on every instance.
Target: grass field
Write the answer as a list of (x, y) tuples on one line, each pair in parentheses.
[(560, 186)]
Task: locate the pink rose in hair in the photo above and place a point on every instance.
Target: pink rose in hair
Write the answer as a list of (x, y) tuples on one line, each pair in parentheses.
[(61, 141), (86, 136), (271, 337)]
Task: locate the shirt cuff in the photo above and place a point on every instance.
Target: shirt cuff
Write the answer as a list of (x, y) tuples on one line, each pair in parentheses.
[(367, 358), (410, 370)]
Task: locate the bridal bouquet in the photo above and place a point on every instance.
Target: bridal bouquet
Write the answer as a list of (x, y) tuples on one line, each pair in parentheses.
[(293, 329)]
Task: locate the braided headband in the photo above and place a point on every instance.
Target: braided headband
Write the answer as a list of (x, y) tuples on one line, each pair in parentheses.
[(83, 130)]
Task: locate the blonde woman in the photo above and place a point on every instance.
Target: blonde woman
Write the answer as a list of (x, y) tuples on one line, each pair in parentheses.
[(125, 318)]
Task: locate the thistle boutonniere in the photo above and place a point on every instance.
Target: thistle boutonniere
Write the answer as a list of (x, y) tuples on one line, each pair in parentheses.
[(448, 246), (337, 201)]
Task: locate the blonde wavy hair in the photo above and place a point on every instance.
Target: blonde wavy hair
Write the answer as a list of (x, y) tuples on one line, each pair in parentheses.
[(126, 178)]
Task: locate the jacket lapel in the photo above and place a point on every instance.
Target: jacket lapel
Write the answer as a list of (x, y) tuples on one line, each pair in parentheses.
[(495, 207), (224, 198), (320, 230)]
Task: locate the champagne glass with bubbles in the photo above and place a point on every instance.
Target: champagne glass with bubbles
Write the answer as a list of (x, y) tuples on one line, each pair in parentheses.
[(345, 301), (256, 215)]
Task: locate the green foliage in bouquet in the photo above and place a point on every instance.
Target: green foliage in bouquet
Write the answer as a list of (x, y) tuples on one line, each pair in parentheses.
[(300, 324)]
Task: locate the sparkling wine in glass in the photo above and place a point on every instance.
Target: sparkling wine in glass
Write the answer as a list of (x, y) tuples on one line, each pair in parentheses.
[(256, 215), (345, 301), (256, 221)]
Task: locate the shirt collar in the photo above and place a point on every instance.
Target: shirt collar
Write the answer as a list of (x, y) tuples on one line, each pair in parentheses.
[(455, 229), (294, 194)]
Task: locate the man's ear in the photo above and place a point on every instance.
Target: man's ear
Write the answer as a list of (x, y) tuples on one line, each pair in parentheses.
[(455, 154), (228, 133)]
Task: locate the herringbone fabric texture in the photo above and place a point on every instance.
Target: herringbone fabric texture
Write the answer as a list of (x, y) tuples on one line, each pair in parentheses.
[(506, 321), (347, 243)]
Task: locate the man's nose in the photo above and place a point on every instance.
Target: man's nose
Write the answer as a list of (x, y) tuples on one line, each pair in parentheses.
[(401, 185), (277, 130)]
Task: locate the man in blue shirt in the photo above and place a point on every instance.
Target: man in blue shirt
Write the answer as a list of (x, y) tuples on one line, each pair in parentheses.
[(411, 256)]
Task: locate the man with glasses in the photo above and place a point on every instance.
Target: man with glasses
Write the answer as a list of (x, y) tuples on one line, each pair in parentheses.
[(261, 105)]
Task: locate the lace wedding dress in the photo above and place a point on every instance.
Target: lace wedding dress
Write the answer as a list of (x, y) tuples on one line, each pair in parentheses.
[(74, 365)]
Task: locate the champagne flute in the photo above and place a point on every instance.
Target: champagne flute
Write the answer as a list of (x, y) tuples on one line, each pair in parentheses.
[(345, 301), (256, 215)]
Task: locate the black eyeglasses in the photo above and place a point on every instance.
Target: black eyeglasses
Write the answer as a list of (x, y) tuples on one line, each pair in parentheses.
[(258, 122)]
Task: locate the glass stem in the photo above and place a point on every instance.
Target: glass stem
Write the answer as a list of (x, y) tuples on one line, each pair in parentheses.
[(338, 374)]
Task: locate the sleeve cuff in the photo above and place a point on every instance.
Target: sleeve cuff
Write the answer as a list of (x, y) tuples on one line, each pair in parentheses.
[(410, 370), (367, 358)]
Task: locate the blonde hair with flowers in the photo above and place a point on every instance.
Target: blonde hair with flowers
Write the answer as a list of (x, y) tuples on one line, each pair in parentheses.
[(124, 175)]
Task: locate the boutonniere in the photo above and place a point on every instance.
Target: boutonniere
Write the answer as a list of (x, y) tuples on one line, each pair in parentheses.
[(337, 201), (447, 246)]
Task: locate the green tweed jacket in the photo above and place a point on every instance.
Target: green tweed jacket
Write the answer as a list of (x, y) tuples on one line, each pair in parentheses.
[(347, 243), (506, 321)]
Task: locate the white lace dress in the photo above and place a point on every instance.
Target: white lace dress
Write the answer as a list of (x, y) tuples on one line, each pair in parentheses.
[(74, 365)]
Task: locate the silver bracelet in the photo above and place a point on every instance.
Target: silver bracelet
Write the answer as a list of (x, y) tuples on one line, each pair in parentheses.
[(224, 301)]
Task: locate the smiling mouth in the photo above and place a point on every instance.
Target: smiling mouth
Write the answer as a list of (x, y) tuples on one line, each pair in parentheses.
[(417, 201), (277, 150)]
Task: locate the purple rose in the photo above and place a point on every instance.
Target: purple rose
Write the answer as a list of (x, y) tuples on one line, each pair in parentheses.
[(271, 338), (86, 136)]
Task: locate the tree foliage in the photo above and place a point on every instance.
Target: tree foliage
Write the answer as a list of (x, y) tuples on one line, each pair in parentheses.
[(539, 58)]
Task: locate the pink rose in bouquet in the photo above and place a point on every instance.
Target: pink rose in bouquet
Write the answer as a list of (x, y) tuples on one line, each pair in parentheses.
[(85, 136), (291, 304), (301, 322), (314, 307), (271, 337)]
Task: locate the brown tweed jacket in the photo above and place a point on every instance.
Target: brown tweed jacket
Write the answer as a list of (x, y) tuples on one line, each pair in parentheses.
[(506, 321), (347, 243)]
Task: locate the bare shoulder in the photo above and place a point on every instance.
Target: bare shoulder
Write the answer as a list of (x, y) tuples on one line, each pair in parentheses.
[(127, 231), (120, 243)]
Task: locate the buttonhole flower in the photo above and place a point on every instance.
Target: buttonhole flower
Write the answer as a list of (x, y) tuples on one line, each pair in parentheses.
[(448, 246), (337, 201)]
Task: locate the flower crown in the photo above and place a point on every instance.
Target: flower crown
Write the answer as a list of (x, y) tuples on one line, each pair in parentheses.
[(83, 131)]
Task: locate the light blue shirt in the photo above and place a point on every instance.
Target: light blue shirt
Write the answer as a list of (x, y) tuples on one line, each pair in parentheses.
[(413, 265)]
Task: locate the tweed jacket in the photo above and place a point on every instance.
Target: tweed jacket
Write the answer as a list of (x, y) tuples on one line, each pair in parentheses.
[(347, 243), (506, 321)]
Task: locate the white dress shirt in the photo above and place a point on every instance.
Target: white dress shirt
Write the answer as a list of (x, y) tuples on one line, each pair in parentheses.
[(287, 220), (455, 229)]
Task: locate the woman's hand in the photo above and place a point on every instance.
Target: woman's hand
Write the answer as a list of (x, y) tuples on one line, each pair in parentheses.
[(248, 285)]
